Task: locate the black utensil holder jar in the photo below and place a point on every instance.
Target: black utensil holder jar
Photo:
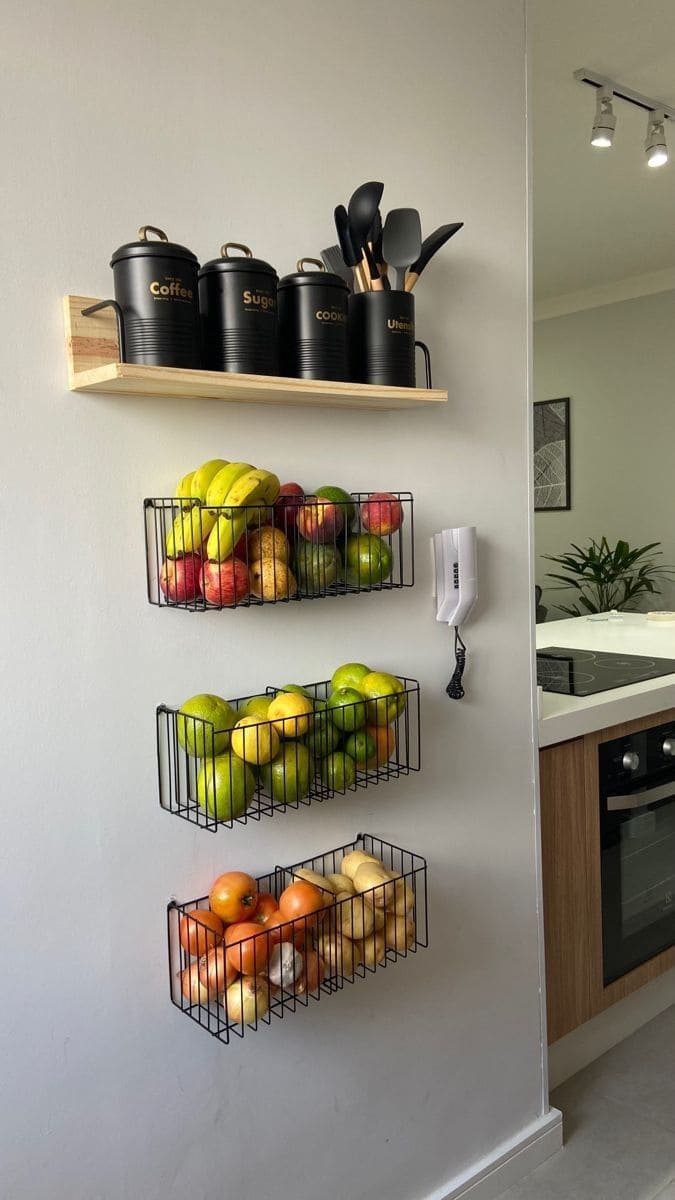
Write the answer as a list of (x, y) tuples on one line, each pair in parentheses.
[(382, 339)]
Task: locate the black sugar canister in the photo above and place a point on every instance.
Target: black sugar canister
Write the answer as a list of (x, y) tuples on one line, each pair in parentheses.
[(156, 290), (238, 307), (313, 324)]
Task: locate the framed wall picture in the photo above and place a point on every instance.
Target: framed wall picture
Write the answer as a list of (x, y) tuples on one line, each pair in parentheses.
[(552, 455)]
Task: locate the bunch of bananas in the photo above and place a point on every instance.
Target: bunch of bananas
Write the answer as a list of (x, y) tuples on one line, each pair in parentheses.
[(217, 502)]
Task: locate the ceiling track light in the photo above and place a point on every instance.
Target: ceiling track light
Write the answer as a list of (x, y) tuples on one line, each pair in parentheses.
[(655, 141), (604, 123)]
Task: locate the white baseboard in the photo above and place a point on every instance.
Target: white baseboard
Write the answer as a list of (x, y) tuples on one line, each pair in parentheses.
[(508, 1163)]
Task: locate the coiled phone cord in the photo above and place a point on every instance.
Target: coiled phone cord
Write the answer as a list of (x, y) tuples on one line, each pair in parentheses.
[(454, 689)]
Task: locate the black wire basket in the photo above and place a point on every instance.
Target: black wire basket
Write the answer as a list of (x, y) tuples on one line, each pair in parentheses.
[(276, 765), (201, 558), (305, 958)]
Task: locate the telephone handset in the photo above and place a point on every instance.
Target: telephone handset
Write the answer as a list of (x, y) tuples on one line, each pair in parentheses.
[(455, 589)]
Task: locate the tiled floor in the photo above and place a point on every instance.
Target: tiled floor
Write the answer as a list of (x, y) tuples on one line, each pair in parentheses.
[(619, 1122)]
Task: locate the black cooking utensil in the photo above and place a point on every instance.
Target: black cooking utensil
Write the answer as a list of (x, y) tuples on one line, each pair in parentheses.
[(362, 211), (333, 261), (430, 245), (375, 243), (401, 241), (349, 251)]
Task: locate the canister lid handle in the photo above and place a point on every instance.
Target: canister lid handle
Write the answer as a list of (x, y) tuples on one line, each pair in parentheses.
[(146, 229), (316, 262), (224, 250)]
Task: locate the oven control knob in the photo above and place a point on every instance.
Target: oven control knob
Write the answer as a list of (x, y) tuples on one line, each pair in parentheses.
[(668, 747), (631, 760)]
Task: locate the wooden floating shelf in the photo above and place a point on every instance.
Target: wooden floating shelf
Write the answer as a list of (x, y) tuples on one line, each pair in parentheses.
[(94, 366)]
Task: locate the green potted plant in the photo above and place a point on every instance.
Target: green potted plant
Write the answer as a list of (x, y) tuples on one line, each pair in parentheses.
[(607, 577)]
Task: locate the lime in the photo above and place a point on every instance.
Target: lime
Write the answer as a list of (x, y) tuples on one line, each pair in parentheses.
[(347, 710), (225, 787), (362, 747), (288, 776), (338, 771), (202, 723)]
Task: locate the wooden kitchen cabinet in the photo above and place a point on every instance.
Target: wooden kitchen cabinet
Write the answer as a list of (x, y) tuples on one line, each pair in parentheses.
[(570, 834)]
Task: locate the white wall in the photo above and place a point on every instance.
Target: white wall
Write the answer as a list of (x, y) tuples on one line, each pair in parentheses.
[(617, 364), (251, 122)]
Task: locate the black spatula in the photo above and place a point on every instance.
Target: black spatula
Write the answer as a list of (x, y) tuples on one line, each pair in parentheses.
[(430, 245), (401, 241)]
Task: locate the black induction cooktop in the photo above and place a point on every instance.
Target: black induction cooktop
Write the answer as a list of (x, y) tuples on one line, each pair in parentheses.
[(585, 672)]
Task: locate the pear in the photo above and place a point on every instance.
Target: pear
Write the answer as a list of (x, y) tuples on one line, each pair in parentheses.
[(352, 861), (374, 950), (341, 883), (399, 932), (357, 918)]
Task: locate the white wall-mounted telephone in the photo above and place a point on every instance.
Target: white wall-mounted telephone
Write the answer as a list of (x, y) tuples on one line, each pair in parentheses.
[(455, 589)]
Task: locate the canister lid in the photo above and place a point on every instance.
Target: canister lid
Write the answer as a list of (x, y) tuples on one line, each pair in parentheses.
[(144, 248), (237, 262), (321, 276)]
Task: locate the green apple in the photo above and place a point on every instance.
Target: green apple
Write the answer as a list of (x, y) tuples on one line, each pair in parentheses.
[(349, 675), (368, 561), (339, 496), (318, 567), (256, 706), (338, 771), (385, 695), (200, 739), (225, 787), (324, 736), (362, 747), (288, 776), (347, 710)]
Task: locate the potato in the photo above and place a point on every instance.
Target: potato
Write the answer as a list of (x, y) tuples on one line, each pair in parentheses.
[(337, 953), (352, 861), (374, 950), (403, 899), (357, 951), (357, 919), (341, 883), (372, 875), (320, 881), (399, 932)]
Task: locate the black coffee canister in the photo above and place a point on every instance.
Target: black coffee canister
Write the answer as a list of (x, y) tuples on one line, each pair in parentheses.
[(313, 320), (156, 289), (238, 307), (382, 338)]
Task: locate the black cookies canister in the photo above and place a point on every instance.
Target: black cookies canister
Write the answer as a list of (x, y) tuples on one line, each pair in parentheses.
[(313, 324), (238, 308), (382, 338), (156, 290)]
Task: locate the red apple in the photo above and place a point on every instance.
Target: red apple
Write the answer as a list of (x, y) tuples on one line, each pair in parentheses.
[(286, 506), (381, 513), (225, 583), (179, 578), (320, 520)]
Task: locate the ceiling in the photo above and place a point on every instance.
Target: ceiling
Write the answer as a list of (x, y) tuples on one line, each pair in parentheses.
[(599, 215)]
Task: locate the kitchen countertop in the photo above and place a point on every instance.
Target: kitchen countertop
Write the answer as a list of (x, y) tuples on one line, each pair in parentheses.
[(565, 717)]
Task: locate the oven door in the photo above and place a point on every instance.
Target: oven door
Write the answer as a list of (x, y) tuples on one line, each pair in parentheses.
[(638, 876)]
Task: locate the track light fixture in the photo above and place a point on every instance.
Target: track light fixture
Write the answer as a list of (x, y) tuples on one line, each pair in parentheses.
[(604, 123), (655, 141)]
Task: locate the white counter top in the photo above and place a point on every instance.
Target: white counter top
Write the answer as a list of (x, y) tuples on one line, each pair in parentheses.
[(565, 717)]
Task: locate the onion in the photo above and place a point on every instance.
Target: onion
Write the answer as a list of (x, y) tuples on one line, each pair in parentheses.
[(192, 987), (247, 1000), (215, 973)]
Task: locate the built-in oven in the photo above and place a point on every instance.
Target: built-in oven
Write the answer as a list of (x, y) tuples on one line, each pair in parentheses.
[(637, 832)]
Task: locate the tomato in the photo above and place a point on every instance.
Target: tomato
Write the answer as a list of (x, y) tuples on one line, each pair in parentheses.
[(200, 930), (266, 906), (234, 897), (281, 930), (299, 901), (247, 948), (215, 972)]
